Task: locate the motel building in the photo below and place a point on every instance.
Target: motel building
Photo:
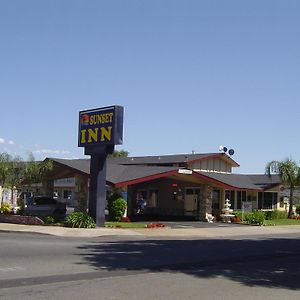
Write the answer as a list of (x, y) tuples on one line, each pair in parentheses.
[(174, 186)]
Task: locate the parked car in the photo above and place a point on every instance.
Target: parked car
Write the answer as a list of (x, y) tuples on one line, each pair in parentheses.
[(45, 206)]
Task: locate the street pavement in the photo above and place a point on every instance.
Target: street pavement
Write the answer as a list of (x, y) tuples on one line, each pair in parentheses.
[(172, 229), (185, 260)]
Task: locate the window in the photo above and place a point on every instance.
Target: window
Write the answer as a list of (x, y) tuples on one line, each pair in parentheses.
[(267, 200), (241, 196), (67, 194), (216, 199), (260, 200), (44, 201)]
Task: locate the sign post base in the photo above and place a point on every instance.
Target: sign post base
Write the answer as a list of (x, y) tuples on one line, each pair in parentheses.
[(97, 188)]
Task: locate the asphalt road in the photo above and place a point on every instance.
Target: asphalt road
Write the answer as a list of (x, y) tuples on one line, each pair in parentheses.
[(34, 266)]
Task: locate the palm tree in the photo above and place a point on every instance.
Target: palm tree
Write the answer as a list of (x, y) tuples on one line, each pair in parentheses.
[(289, 173), (34, 172)]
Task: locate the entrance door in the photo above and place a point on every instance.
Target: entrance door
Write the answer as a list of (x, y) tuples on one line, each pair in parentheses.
[(191, 201)]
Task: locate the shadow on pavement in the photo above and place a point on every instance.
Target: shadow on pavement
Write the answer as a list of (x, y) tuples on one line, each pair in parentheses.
[(264, 262)]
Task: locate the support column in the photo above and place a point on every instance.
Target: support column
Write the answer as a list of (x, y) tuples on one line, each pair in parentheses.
[(97, 195), (206, 202), (97, 189), (81, 193), (130, 203)]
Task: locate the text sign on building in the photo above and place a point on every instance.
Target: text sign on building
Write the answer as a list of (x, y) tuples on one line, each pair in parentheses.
[(101, 126), (247, 206)]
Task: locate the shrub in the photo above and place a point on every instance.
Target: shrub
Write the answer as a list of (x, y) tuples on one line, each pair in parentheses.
[(298, 209), (238, 214), (116, 207), (49, 220), (80, 220), (6, 208), (21, 206), (258, 217), (254, 217), (277, 214)]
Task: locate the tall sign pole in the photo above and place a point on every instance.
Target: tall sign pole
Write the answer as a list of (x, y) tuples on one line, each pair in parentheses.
[(99, 131)]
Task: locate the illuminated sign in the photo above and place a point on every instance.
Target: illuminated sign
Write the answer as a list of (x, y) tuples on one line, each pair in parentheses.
[(101, 126)]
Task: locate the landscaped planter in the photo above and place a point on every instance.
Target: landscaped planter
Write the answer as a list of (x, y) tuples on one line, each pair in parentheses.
[(17, 219)]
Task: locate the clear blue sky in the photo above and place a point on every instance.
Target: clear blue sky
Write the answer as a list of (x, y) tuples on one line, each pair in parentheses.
[(191, 75)]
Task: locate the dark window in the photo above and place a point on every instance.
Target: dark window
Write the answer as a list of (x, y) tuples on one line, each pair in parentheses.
[(44, 201), (260, 200), (189, 191), (67, 194), (216, 199), (269, 200), (266, 200)]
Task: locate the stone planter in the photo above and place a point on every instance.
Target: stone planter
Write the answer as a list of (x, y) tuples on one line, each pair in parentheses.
[(17, 219)]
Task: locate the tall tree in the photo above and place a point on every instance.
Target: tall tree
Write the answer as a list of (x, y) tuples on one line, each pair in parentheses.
[(33, 171), (14, 173), (289, 172), (5, 170), (15, 177)]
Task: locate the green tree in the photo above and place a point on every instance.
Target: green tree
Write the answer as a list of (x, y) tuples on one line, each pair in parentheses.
[(15, 176), (5, 160), (33, 171), (116, 207), (289, 173), (121, 153), (15, 173)]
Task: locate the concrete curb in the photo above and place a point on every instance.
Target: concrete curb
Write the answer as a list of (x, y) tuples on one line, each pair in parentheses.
[(214, 232), (65, 231)]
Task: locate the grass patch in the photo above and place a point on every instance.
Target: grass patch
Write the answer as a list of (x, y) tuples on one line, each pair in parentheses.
[(280, 222), (125, 225)]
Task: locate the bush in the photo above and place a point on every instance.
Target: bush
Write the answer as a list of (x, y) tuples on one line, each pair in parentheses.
[(298, 209), (21, 206), (80, 220), (277, 214), (255, 217), (6, 208), (49, 220), (258, 217), (116, 207)]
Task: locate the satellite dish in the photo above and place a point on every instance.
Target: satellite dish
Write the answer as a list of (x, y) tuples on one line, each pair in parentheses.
[(231, 152), (224, 149)]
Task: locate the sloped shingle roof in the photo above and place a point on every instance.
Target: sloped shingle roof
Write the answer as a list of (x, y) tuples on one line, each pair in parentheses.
[(127, 169)]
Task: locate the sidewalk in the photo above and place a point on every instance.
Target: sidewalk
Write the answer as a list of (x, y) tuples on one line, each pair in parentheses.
[(213, 232)]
